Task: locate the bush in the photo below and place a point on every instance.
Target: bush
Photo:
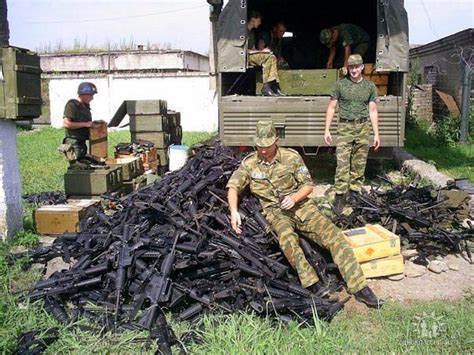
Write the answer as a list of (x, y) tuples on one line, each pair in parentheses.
[(447, 130)]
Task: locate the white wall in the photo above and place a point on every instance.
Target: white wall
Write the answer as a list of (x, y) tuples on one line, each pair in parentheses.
[(186, 93)]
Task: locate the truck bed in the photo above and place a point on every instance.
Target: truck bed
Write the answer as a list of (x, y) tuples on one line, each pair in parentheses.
[(299, 119)]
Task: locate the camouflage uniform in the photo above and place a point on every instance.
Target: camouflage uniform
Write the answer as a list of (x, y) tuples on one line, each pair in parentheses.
[(353, 133), (266, 60), (77, 112), (286, 174), (354, 36)]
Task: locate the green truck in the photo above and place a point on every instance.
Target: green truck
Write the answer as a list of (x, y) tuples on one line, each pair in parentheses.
[(299, 116)]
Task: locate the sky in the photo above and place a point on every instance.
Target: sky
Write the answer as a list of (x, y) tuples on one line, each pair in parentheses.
[(180, 24)]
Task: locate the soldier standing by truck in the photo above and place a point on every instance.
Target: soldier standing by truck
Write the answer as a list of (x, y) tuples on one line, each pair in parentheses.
[(263, 58), (77, 120), (357, 103), (280, 180), (352, 38)]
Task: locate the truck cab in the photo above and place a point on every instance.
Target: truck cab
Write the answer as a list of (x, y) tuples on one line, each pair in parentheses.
[(299, 115)]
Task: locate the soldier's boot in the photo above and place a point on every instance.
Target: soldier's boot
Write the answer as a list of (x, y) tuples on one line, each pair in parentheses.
[(339, 203), (267, 90), (276, 88), (319, 289), (367, 296)]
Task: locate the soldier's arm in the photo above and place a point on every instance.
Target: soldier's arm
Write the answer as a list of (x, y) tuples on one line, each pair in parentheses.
[(69, 123), (329, 117), (374, 119)]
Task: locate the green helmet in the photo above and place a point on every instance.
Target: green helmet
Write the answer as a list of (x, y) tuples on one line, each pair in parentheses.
[(325, 37)]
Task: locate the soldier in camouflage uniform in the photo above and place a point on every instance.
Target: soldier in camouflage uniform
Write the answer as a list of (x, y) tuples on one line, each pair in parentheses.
[(352, 38), (357, 103), (262, 58), (77, 121), (282, 183)]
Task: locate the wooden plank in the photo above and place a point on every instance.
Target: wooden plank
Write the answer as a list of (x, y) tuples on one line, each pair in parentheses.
[(391, 265), (98, 141)]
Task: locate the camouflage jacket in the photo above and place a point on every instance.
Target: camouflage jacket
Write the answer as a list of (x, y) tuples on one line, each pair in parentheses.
[(353, 98), (271, 181), (351, 35)]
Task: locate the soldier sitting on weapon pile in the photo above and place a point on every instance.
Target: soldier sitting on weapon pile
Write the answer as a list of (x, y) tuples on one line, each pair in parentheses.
[(77, 121), (282, 183), (262, 57)]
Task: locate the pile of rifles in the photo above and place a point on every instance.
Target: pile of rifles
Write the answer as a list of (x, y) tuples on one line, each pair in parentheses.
[(168, 248)]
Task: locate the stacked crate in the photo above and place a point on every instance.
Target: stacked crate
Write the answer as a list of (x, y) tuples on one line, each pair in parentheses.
[(132, 171), (380, 79), (149, 122)]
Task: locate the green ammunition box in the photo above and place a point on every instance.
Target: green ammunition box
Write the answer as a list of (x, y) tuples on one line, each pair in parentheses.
[(174, 118), (92, 182), (159, 139), (147, 107), (176, 135), (304, 81), (135, 184), (20, 87), (148, 123), (131, 167)]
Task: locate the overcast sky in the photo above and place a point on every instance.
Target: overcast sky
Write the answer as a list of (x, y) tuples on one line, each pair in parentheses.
[(182, 24)]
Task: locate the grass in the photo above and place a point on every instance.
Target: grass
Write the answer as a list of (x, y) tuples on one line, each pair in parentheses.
[(455, 161), (395, 328)]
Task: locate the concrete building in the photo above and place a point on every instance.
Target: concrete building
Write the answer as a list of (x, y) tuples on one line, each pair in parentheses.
[(180, 77), (441, 63)]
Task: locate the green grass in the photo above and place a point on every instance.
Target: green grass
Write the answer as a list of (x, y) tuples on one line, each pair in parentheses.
[(455, 161)]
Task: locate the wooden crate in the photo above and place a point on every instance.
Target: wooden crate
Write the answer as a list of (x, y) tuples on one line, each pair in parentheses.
[(372, 242), (380, 79), (390, 265), (59, 219), (92, 182), (131, 166), (98, 141), (159, 139), (153, 166), (135, 184), (146, 157)]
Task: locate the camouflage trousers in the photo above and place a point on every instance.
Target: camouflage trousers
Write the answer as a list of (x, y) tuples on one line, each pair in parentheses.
[(79, 146), (307, 220), (268, 62), (351, 153)]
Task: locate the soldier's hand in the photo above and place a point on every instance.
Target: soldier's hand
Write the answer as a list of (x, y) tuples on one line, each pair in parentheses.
[(235, 221), (344, 71), (376, 142), (287, 203), (327, 137)]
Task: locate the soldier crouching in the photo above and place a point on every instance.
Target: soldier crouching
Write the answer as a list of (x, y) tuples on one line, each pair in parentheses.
[(280, 180)]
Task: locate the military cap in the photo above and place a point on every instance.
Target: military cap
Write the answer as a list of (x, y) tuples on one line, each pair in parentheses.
[(355, 59), (325, 37), (265, 134)]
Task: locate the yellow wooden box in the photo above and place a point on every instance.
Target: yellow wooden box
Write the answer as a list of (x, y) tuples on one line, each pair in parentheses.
[(59, 219), (372, 242), (390, 265)]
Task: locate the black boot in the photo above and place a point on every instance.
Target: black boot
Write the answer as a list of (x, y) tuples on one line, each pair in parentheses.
[(339, 203), (367, 296), (267, 90), (319, 289), (276, 88)]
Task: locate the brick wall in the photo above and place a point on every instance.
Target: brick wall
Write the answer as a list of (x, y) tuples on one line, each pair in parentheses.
[(421, 97)]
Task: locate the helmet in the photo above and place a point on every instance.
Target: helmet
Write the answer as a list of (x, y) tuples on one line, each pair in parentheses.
[(86, 88)]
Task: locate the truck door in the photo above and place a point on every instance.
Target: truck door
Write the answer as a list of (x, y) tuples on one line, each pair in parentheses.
[(392, 36), (231, 37)]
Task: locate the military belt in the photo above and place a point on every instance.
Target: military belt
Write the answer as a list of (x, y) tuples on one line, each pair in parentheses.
[(356, 120)]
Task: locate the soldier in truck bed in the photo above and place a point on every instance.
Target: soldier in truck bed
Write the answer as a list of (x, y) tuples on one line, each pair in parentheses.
[(349, 38), (273, 40), (262, 58), (77, 120)]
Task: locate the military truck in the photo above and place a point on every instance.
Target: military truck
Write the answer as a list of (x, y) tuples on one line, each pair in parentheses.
[(299, 116)]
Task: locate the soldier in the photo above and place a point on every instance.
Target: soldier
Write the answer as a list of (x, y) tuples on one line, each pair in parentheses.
[(357, 103), (352, 38), (263, 58), (282, 183), (273, 41), (77, 121)]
